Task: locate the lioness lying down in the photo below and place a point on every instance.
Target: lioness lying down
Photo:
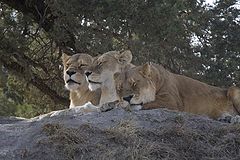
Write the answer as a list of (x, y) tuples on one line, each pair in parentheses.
[(151, 86), (75, 80)]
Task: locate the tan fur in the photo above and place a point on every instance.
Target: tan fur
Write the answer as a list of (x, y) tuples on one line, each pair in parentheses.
[(234, 96), (102, 70), (79, 92), (155, 87)]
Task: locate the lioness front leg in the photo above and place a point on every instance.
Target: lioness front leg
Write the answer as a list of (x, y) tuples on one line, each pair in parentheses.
[(166, 102), (152, 105), (86, 108)]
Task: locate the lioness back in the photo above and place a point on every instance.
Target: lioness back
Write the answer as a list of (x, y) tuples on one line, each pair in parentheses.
[(152, 86), (201, 98)]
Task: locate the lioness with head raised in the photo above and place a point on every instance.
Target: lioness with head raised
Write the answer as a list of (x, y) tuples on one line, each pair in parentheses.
[(152, 86), (75, 80), (100, 74)]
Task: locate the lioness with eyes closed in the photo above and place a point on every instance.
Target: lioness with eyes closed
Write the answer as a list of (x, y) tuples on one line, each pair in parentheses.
[(100, 73), (152, 86), (75, 80)]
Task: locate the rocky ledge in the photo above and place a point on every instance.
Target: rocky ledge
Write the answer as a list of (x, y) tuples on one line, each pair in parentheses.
[(118, 134)]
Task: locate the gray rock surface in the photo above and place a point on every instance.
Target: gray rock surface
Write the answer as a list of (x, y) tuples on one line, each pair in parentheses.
[(118, 134)]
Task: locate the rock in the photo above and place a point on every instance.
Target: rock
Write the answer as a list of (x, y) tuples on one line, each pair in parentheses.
[(118, 134)]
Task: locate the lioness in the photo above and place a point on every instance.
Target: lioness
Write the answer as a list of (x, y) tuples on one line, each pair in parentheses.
[(100, 74), (152, 86), (75, 80)]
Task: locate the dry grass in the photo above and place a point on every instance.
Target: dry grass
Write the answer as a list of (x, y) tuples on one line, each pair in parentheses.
[(127, 140), (64, 140)]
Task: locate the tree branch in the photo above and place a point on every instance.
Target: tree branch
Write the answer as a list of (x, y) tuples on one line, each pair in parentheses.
[(39, 11), (36, 81)]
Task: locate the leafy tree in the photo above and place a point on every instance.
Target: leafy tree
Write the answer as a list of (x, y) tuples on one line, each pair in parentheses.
[(162, 31), (220, 48)]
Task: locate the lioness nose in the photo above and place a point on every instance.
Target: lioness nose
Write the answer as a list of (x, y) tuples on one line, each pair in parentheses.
[(69, 72), (87, 73), (128, 98)]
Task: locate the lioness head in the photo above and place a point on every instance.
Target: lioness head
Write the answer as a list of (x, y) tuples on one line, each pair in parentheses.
[(135, 85), (105, 66), (74, 68)]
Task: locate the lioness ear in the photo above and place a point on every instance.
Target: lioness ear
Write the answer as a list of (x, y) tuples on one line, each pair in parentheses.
[(146, 70), (125, 57), (65, 57)]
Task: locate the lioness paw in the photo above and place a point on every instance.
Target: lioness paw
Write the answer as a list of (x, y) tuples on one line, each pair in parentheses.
[(235, 119), (229, 119), (111, 105), (60, 113), (225, 119), (88, 107), (108, 106)]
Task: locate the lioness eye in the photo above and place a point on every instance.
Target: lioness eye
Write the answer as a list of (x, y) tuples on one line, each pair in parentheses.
[(134, 84), (67, 65), (82, 65), (99, 63)]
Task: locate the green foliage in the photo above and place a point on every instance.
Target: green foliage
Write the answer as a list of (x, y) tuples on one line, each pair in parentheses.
[(7, 107), (160, 31), (221, 49), (153, 30), (26, 111)]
